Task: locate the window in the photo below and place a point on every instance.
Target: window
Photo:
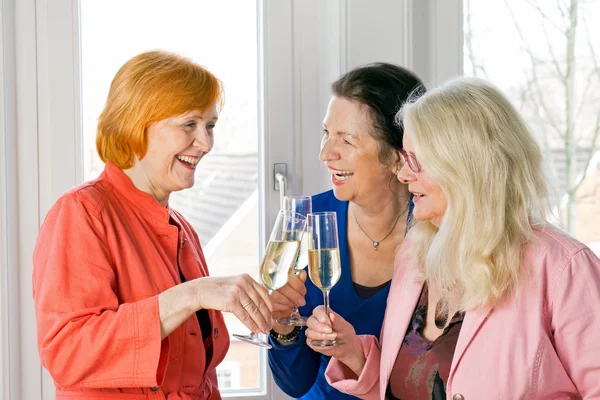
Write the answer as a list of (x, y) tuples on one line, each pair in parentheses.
[(223, 205), (228, 374), (546, 56)]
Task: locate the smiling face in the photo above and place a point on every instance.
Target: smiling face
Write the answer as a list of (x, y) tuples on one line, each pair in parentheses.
[(175, 146), (430, 201), (350, 152)]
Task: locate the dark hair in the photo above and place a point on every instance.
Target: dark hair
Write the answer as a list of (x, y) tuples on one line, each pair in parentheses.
[(383, 88)]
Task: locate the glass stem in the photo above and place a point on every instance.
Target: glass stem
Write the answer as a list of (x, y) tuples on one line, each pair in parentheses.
[(326, 302), (295, 311)]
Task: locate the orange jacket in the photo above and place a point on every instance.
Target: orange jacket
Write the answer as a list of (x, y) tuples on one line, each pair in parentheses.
[(104, 253)]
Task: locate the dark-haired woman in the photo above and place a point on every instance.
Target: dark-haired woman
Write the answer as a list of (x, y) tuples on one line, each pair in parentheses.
[(360, 148)]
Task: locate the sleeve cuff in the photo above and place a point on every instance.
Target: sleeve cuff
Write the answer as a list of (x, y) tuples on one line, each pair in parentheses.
[(291, 346), (152, 352), (366, 385)]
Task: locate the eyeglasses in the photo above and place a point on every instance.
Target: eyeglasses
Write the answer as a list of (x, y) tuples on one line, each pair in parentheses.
[(411, 160)]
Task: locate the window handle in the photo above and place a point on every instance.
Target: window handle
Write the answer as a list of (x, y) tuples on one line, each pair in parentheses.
[(280, 183)]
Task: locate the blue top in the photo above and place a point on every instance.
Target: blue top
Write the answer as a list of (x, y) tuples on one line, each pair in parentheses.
[(297, 369)]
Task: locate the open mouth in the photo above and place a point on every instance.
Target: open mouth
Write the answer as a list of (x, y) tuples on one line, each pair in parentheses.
[(189, 161), (341, 175)]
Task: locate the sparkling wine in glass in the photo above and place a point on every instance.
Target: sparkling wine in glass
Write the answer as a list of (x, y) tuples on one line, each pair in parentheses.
[(303, 206), (324, 266), (279, 258)]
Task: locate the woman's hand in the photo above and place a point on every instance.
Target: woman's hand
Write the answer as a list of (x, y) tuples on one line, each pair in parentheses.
[(241, 295), (322, 327), (285, 298)]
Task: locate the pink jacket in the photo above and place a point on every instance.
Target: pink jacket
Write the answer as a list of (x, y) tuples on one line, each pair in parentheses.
[(542, 344)]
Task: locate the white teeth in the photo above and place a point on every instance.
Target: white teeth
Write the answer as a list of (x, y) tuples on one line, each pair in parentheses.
[(193, 161), (341, 175)]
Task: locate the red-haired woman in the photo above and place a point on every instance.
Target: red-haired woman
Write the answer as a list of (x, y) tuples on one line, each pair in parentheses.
[(125, 308)]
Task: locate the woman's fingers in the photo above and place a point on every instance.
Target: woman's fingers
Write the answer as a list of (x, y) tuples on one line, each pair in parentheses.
[(255, 301), (289, 296), (317, 330), (246, 319), (319, 314), (263, 303), (296, 282), (293, 296), (281, 303)]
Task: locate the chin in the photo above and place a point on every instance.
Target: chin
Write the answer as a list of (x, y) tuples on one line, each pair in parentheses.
[(419, 217), (341, 194), (185, 185)]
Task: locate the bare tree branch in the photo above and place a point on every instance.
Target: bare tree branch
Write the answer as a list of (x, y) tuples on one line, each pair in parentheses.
[(586, 89), (534, 64), (562, 10), (469, 43), (592, 153), (546, 17), (596, 68), (553, 58), (527, 92)]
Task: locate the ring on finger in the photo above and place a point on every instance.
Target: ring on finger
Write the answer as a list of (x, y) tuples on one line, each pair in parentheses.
[(246, 304)]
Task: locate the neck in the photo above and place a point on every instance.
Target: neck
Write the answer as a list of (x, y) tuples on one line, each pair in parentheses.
[(382, 206), (378, 216), (140, 180)]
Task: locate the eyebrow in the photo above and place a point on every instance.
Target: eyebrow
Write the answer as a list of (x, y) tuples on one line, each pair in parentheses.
[(343, 133), (198, 116)]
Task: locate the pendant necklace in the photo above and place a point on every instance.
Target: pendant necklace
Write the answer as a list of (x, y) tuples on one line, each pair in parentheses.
[(377, 242)]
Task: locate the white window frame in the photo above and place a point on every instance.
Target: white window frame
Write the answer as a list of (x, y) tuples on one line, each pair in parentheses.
[(306, 45)]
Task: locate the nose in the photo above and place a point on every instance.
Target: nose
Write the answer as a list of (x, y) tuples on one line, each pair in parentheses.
[(328, 151), (203, 139), (405, 174)]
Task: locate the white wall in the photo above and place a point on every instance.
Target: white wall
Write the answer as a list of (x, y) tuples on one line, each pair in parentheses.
[(8, 221)]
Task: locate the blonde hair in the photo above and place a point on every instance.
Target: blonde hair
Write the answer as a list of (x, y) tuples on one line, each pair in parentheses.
[(148, 88), (475, 145)]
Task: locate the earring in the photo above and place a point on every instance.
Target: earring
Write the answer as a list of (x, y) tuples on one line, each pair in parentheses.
[(398, 174)]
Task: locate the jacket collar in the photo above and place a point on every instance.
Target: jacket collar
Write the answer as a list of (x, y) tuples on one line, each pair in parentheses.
[(471, 324), (145, 203), (402, 300), (401, 304)]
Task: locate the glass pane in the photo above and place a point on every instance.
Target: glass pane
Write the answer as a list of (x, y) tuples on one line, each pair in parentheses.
[(223, 204), (545, 55)]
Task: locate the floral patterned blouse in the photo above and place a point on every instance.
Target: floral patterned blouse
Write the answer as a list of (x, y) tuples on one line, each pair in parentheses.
[(422, 367)]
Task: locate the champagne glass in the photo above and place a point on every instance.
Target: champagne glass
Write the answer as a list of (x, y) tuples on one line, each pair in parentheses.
[(303, 206), (279, 258), (324, 266)]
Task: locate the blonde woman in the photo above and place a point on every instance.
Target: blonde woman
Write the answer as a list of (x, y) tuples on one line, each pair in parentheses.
[(488, 301)]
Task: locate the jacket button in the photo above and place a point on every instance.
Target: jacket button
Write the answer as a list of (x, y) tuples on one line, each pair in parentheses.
[(216, 333), (154, 388), (458, 396)]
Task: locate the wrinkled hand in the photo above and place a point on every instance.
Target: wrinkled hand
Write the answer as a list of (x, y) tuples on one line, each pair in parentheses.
[(322, 327), (241, 295), (285, 298)]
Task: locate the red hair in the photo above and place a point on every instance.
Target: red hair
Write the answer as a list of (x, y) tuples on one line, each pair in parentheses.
[(148, 88)]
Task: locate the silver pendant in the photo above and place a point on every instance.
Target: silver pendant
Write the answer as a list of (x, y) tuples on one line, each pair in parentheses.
[(376, 245)]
